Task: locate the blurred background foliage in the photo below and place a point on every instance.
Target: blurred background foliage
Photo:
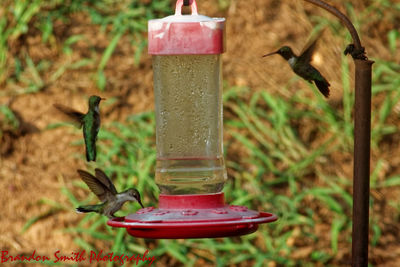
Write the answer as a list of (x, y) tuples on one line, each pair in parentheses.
[(289, 154)]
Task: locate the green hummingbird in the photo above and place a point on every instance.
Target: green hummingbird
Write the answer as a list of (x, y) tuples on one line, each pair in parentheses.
[(104, 189), (302, 67), (90, 122)]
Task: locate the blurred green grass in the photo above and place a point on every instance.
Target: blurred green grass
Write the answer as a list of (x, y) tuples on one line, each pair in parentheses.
[(117, 18), (281, 172)]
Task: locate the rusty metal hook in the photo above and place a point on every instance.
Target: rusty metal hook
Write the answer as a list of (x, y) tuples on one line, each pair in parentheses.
[(362, 139)]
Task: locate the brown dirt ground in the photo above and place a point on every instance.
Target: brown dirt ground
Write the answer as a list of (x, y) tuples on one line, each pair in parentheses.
[(39, 162)]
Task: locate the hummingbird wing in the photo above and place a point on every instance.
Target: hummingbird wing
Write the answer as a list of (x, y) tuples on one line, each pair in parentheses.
[(100, 175), (96, 186), (72, 114), (308, 50)]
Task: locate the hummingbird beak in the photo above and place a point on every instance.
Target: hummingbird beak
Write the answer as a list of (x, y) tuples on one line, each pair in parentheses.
[(103, 98), (270, 54), (140, 202)]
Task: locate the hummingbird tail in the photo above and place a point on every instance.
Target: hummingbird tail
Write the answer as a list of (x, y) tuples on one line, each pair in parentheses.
[(82, 210), (323, 87), (90, 155), (88, 208)]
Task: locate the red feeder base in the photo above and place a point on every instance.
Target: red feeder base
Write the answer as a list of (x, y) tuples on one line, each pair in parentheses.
[(192, 216)]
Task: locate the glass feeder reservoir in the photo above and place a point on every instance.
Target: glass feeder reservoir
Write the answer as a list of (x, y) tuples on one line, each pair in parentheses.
[(190, 169), (188, 101)]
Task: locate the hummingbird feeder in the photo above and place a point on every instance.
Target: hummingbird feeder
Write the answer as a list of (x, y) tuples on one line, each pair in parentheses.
[(190, 168)]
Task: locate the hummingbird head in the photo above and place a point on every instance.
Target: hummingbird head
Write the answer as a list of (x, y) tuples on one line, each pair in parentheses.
[(94, 101), (285, 51), (133, 195)]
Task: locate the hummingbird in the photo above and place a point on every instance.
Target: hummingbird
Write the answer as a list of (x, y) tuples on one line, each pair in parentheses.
[(104, 189), (302, 67), (90, 122)]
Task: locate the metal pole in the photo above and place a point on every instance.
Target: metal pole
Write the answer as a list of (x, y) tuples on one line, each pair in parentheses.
[(362, 139)]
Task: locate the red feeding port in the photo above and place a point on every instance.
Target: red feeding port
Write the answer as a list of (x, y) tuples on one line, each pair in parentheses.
[(192, 216), (190, 168)]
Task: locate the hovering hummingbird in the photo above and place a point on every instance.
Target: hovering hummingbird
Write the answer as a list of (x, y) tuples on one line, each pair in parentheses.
[(90, 122), (104, 189), (302, 67)]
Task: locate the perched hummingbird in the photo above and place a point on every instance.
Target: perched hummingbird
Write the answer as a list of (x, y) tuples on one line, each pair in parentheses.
[(104, 189), (302, 67), (90, 122)]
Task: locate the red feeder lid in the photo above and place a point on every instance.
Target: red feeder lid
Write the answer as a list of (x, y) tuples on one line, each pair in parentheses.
[(192, 216), (186, 34)]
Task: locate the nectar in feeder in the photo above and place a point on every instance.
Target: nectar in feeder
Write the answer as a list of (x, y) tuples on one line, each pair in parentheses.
[(186, 53)]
